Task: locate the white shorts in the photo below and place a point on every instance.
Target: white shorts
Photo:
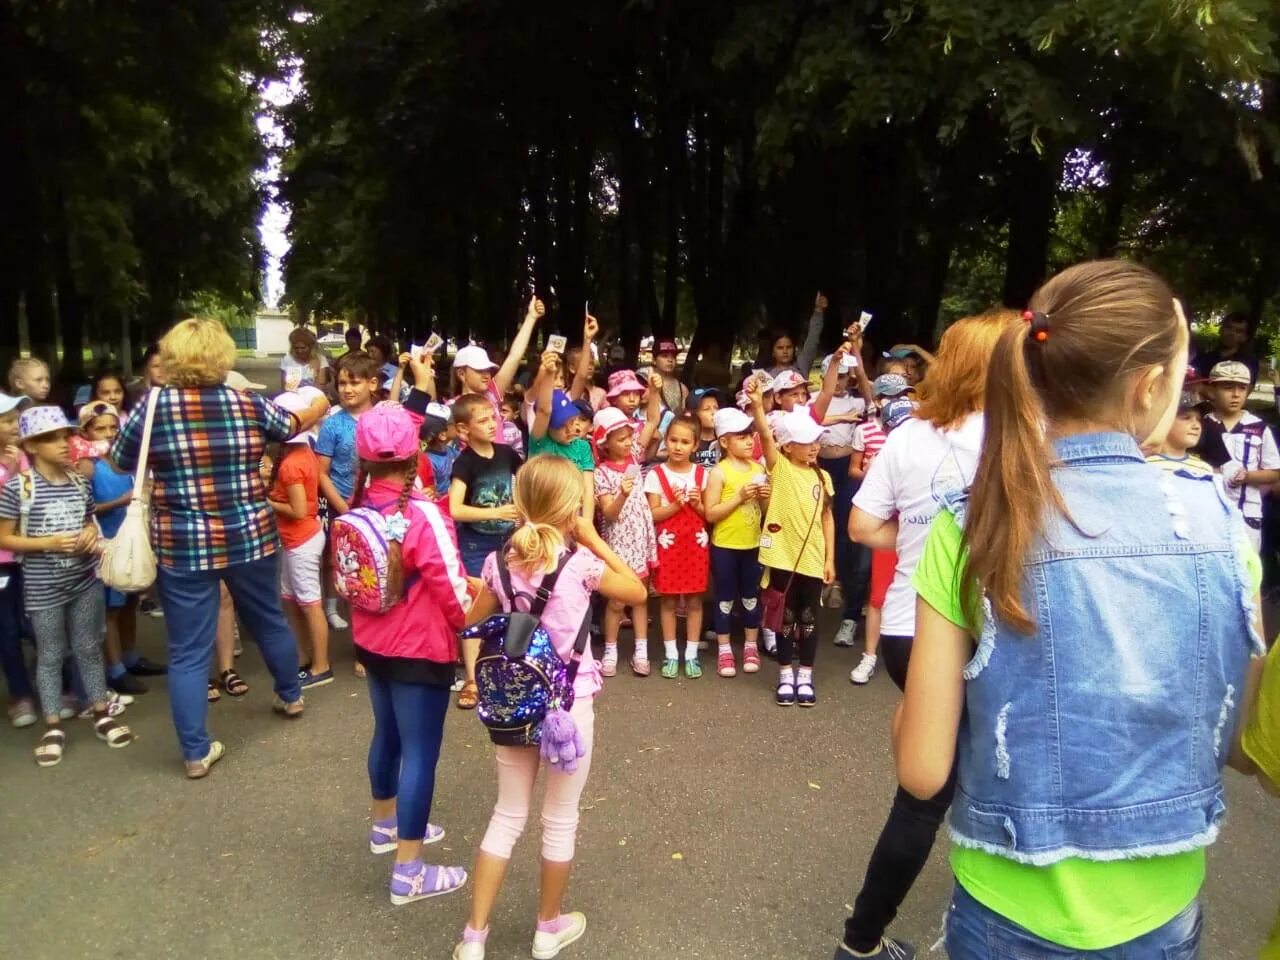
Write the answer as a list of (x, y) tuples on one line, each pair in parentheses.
[(300, 572)]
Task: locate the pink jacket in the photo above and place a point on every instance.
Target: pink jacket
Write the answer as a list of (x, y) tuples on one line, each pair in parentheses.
[(423, 625)]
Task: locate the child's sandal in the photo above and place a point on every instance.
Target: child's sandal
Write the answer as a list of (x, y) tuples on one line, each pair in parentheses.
[(49, 749), (115, 733), (214, 693), (640, 667), (359, 670), (670, 668), (468, 696), (233, 683)]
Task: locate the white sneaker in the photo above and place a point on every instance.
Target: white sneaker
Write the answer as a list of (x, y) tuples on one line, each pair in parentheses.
[(844, 636), (770, 641), (468, 951), (864, 671), (335, 621), (548, 945)]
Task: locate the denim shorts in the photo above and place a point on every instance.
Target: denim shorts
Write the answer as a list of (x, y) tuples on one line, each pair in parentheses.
[(976, 933), (475, 548)]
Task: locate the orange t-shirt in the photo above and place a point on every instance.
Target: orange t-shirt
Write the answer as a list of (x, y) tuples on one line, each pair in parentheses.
[(298, 466)]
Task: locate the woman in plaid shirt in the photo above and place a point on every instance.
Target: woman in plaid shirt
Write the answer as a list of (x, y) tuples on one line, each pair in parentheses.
[(210, 521)]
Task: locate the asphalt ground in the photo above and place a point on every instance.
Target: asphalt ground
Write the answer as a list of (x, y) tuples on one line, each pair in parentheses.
[(715, 825)]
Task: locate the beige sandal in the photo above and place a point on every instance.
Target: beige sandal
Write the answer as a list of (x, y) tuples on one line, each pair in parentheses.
[(49, 749), (290, 710), (115, 733), (198, 769)]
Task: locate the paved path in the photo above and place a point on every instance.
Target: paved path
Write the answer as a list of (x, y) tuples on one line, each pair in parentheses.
[(716, 826)]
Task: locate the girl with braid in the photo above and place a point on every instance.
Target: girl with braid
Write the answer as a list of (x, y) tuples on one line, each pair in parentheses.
[(409, 650)]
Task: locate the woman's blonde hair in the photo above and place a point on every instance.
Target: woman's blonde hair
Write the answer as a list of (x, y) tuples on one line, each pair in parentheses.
[(956, 381), (197, 353), (548, 494), (1092, 327)]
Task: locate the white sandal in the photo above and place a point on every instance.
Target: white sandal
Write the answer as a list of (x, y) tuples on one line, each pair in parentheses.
[(115, 734), (49, 749)]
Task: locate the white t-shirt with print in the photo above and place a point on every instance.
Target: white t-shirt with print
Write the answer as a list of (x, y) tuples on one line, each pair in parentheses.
[(841, 434), (917, 465), (296, 374)]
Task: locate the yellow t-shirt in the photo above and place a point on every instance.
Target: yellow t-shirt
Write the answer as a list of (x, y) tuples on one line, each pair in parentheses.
[(740, 530), (798, 498), (1261, 742)]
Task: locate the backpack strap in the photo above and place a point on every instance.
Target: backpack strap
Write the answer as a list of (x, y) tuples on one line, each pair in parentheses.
[(538, 601)]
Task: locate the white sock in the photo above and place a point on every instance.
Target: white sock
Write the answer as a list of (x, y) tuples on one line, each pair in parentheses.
[(670, 650), (642, 648), (726, 648), (691, 650), (804, 675), (331, 605), (786, 675), (611, 650)]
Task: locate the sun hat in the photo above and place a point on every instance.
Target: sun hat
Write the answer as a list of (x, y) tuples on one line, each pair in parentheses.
[(731, 420), (666, 346), (623, 381), (8, 404), (897, 412), (239, 382), (606, 421), (473, 358), (37, 421), (434, 422), (562, 409), (847, 363), (1230, 371), (91, 411), (798, 427), (387, 432), (890, 385), (788, 380)]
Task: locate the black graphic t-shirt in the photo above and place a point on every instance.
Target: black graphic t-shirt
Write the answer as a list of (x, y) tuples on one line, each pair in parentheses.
[(490, 483)]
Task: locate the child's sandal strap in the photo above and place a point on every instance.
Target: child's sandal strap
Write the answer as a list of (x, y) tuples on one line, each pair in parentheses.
[(49, 749), (115, 733)]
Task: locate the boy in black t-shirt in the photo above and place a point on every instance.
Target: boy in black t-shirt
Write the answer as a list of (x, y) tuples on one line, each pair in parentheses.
[(480, 493)]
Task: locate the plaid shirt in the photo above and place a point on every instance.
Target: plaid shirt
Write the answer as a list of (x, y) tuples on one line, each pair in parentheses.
[(209, 506)]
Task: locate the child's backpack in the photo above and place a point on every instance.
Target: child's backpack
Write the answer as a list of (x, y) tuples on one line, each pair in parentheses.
[(521, 678), (360, 541)]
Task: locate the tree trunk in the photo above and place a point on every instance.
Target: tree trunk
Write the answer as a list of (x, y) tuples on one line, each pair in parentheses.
[(1032, 189)]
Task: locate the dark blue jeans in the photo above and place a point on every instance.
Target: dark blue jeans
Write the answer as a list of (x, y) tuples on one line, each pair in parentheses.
[(190, 602), (408, 726), (13, 628), (977, 933), (475, 549)]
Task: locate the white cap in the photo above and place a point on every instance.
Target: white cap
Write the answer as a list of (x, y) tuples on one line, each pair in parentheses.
[(847, 363), (731, 420), (474, 358), (798, 427), (8, 403)]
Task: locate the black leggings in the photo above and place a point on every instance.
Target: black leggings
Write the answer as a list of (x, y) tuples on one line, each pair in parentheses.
[(906, 840), (800, 619)]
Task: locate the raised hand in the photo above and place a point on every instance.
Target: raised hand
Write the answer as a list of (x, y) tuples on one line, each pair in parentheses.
[(655, 381), (550, 361), (590, 329), (820, 303), (536, 309)]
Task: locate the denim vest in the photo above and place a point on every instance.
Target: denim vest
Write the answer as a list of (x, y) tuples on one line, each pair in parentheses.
[(1103, 734)]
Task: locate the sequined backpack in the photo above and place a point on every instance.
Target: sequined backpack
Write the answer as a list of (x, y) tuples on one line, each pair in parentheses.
[(521, 678)]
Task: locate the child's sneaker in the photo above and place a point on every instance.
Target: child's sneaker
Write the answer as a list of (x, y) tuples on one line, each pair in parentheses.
[(725, 665), (844, 636), (22, 713), (416, 880), (888, 950), (864, 671), (785, 695), (750, 658), (670, 669), (692, 669), (609, 662), (552, 937), (640, 666), (805, 694)]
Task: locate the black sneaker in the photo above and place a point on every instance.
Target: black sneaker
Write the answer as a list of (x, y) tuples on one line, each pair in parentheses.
[(889, 950), (126, 683), (142, 667), (149, 608)]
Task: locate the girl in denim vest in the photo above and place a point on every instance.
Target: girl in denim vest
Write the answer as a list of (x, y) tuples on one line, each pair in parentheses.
[(1087, 751)]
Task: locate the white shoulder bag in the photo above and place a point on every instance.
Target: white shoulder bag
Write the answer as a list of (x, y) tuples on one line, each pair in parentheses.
[(128, 563)]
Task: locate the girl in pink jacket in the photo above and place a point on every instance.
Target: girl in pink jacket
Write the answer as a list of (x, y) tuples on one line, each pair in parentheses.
[(409, 650)]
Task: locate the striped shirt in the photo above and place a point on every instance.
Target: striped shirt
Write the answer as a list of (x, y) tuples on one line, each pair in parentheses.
[(50, 579), (868, 437), (209, 506)]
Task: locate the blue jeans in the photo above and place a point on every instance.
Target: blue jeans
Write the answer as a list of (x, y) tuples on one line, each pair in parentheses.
[(190, 602), (13, 628), (408, 726), (976, 933), (475, 549)]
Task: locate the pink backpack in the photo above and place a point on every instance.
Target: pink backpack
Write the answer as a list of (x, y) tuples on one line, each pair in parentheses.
[(360, 541)]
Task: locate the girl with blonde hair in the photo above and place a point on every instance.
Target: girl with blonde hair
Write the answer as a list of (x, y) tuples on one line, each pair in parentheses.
[(548, 496)]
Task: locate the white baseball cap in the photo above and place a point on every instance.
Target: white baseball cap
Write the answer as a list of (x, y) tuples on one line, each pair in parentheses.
[(848, 363), (8, 403), (798, 427), (731, 420), (474, 358)]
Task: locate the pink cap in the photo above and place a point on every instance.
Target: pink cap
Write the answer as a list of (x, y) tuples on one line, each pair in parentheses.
[(387, 432), (623, 381)]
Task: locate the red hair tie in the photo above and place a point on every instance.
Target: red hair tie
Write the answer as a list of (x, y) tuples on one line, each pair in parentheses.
[(1039, 324)]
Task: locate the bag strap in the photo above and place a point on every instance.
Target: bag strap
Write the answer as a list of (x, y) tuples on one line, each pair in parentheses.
[(579, 648), (144, 449), (541, 594)]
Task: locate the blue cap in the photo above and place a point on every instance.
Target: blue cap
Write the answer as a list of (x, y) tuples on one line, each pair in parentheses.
[(897, 412), (562, 409)]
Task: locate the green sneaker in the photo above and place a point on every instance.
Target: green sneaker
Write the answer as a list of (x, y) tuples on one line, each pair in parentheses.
[(692, 669), (671, 669)]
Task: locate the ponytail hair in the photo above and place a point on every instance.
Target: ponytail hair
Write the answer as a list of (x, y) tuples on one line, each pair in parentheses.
[(548, 495), (395, 552), (1091, 328)]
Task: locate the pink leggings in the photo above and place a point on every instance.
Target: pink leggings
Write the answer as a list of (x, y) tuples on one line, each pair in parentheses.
[(517, 771)]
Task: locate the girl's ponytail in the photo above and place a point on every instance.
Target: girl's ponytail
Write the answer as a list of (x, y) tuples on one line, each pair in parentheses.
[(548, 494)]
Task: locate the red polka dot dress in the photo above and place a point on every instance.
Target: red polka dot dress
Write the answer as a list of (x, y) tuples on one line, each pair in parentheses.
[(684, 552)]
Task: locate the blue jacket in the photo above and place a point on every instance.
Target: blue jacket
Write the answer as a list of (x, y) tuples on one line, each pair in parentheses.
[(1104, 733)]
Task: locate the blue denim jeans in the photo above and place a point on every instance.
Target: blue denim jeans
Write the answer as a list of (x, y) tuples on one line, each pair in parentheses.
[(408, 727), (190, 602), (475, 549), (976, 933)]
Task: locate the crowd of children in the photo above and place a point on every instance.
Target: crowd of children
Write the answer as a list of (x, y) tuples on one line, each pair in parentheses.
[(765, 509)]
